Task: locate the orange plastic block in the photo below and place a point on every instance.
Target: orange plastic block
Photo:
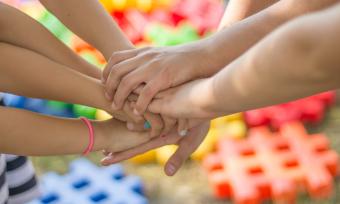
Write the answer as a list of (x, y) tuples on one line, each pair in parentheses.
[(274, 166)]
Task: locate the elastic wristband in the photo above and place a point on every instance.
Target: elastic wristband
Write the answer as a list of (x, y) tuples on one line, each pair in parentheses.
[(91, 136)]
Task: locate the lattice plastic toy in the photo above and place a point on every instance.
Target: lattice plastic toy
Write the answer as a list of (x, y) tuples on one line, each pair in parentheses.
[(310, 110), (89, 184), (274, 166)]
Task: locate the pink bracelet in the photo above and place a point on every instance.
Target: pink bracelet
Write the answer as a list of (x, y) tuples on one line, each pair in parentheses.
[(91, 136)]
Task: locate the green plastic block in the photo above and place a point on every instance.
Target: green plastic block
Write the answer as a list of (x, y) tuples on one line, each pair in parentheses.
[(84, 111)]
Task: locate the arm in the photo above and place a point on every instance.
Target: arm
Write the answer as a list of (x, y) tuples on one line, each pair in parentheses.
[(27, 133), (298, 60), (102, 32), (27, 73), (89, 20), (238, 10), (162, 68), (19, 29)]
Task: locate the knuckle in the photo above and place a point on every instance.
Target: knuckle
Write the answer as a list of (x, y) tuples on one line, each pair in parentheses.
[(125, 81), (114, 56), (148, 91)]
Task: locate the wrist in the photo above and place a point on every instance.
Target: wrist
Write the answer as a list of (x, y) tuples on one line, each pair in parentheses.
[(208, 104), (212, 55), (101, 136)]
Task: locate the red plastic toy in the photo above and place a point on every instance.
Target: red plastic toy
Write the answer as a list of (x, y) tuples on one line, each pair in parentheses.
[(310, 110), (274, 166)]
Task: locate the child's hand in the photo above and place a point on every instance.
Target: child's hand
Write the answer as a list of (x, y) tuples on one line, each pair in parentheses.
[(157, 68), (186, 146), (118, 137)]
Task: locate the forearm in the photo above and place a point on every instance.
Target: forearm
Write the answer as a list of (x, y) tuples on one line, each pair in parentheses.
[(27, 73), (19, 29), (230, 43), (291, 63), (238, 10), (26, 133), (89, 20)]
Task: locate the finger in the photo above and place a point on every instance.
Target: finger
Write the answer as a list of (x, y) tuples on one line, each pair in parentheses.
[(185, 148), (128, 109), (192, 123), (182, 127), (136, 127), (169, 124), (115, 58), (156, 123), (156, 106), (127, 84), (118, 72), (139, 89), (148, 92), (152, 144)]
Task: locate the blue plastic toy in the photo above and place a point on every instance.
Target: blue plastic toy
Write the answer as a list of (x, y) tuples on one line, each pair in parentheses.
[(89, 184), (38, 105)]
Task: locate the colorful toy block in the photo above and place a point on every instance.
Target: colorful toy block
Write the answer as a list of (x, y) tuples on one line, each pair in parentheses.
[(38, 105), (102, 115), (162, 35), (205, 15), (309, 110), (89, 184), (142, 5), (84, 111), (270, 165), (55, 26)]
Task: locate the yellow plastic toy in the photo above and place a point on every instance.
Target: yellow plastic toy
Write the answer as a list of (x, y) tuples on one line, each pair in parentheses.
[(164, 153), (142, 5), (102, 115), (145, 158)]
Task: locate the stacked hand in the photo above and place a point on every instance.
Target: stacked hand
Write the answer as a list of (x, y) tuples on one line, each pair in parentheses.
[(147, 84)]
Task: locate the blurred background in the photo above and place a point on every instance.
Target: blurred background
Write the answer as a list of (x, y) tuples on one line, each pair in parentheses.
[(172, 22)]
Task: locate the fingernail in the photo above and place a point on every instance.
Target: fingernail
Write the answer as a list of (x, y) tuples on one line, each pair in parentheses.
[(103, 80), (170, 170), (106, 160), (136, 112), (183, 133), (107, 96), (147, 125), (130, 126)]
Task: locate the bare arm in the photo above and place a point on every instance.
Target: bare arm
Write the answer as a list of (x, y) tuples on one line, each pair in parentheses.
[(230, 43), (162, 68), (27, 73), (89, 20), (21, 30), (238, 10), (26, 133), (298, 60)]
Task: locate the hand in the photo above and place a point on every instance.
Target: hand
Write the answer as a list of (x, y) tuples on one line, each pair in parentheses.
[(157, 68), (190, 100), (186, 146), (157, 124), (117, 136)]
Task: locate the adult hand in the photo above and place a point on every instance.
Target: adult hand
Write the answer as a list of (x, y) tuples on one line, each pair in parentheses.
[(190, 100), (157, 68)]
